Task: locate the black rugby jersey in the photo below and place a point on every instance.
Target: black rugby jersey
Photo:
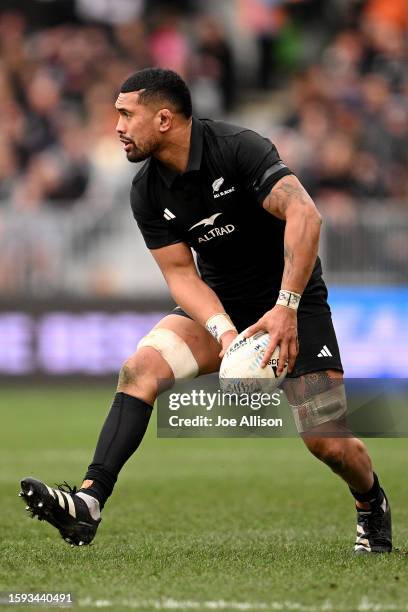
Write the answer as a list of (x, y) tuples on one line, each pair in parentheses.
[(215, 207)]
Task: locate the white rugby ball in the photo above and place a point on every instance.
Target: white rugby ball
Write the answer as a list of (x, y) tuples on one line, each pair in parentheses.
[(243, 361)]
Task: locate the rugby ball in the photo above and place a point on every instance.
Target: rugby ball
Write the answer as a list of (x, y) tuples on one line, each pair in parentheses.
[(241, 370)]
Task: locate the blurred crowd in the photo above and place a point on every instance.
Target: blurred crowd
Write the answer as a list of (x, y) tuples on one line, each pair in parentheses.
[(59, 76), (346, 132), (331, 74)]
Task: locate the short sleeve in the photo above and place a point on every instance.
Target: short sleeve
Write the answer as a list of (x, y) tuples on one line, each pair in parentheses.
[(156, 230), (258, 163)]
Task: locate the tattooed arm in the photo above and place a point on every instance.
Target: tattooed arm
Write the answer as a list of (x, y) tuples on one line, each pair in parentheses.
[(288, 200)]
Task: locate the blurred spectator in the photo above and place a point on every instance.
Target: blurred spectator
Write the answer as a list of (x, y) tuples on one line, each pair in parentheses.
[(109, 11), (212, 69), (384, 12), (168, 44), (59, 174), (264, 19)]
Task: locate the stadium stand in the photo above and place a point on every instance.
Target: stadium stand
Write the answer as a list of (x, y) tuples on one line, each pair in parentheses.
[(332, 98)]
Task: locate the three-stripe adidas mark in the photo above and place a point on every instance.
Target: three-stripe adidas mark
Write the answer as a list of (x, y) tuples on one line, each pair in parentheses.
[(325, 352), (168, 214), (362, 542), (64, 500)]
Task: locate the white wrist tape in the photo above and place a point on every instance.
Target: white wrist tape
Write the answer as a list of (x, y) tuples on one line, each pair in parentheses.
[(218, 324), (288, 299)]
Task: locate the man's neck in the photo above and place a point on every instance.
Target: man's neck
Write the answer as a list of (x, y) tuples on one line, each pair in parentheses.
[(176, 151)]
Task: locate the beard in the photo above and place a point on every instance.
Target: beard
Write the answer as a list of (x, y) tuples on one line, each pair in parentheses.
[(137, 154)]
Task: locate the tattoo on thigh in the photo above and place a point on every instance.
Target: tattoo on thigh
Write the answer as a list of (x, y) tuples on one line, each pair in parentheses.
[(300, 390)]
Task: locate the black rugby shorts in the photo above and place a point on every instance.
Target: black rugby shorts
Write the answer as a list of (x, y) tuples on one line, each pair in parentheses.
[(318, 347)]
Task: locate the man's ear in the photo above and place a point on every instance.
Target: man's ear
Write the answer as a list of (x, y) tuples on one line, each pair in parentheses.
[(165, 117)]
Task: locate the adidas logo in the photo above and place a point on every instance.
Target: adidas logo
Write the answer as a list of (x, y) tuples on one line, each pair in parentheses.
[(325, 352), (168, 214)]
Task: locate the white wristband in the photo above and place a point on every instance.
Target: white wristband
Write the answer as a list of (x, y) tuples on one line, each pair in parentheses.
[(218, 324), (288, 299)]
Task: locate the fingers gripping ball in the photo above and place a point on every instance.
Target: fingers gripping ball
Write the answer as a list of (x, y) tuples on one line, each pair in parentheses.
[(241, 370)]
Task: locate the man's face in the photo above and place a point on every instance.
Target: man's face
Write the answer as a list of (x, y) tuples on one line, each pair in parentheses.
[(137, 127)]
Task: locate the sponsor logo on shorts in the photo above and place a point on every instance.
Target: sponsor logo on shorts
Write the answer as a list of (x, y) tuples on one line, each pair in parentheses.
[(325, 352)]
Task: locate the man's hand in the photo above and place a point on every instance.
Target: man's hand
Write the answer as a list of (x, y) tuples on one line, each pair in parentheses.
[(226, 340), (281, 325)]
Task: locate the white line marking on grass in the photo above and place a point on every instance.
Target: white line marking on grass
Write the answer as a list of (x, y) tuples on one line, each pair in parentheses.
[(366, 605), (173, 604)]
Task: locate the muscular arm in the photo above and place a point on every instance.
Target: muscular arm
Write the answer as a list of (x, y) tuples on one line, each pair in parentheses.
[(186, 287), (288, 200)]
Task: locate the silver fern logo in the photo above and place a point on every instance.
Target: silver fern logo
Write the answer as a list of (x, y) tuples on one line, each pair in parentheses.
[(216, 186), (217, 183)]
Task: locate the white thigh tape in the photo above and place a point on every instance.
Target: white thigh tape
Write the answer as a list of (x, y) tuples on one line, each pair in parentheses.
[(321, 408), (174, 350)]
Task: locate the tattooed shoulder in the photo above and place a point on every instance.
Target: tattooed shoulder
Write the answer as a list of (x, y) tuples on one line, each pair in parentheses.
[(287, 190)]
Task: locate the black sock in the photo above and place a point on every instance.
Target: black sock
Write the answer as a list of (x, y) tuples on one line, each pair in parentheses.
[(121, 434), (374, 496)]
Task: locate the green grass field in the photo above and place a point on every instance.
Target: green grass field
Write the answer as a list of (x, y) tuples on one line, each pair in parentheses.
[(237, 524)]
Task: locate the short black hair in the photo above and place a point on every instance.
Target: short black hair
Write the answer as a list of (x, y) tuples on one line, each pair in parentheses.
[(160, 84)]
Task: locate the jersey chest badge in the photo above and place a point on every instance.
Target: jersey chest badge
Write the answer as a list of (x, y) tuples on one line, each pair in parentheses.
[(216, 187)]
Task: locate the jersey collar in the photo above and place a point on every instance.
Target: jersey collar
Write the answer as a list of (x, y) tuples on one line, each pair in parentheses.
[(194, 159)]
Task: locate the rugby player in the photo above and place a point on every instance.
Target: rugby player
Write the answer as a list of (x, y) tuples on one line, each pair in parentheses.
[(224, 192)]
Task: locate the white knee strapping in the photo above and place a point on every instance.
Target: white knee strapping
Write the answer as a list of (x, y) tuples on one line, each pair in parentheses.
[(174, 350), (321, 408)]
